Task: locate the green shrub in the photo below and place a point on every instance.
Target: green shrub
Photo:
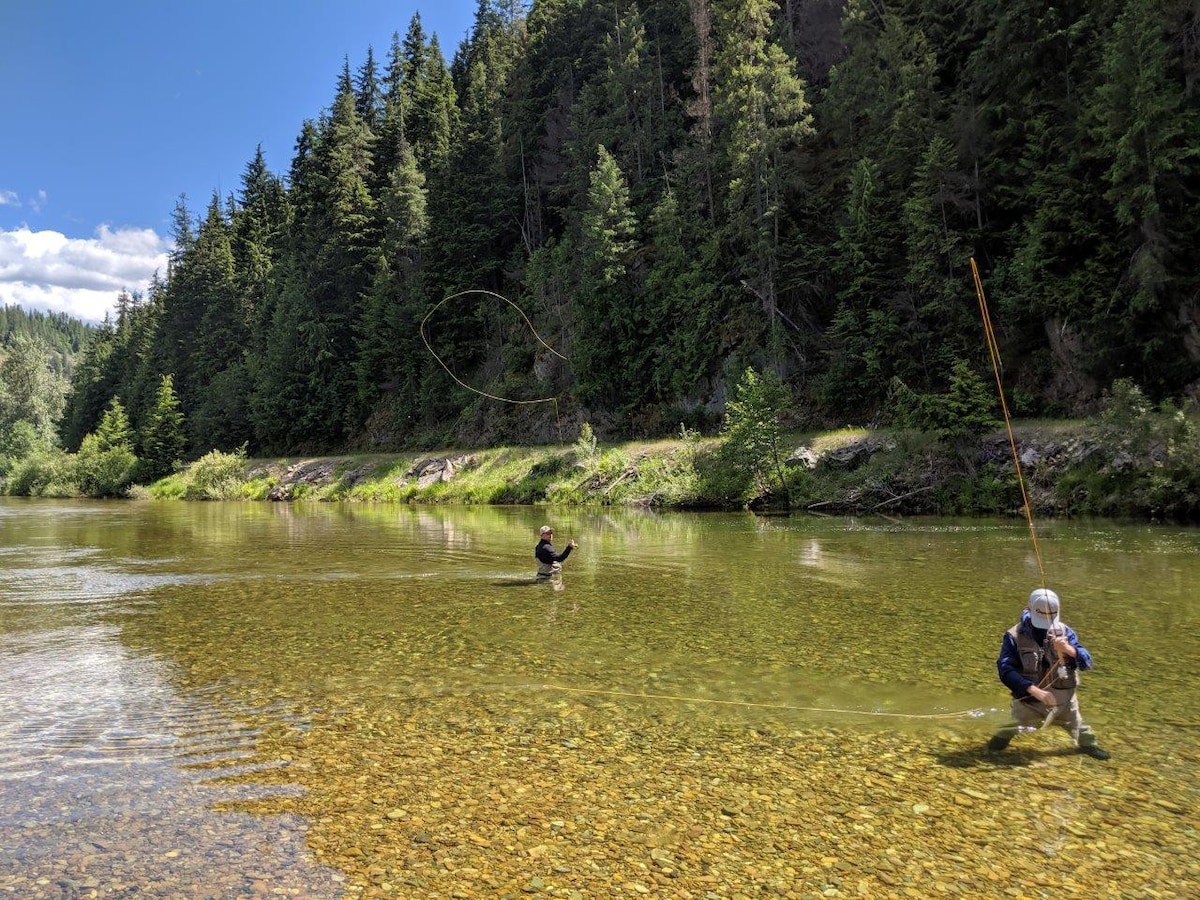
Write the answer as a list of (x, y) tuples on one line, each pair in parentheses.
[(103, 469), (612, 464), (17, 442), (259, 488), (585, 446), (49, 473), (1152, 461), (216, 476)]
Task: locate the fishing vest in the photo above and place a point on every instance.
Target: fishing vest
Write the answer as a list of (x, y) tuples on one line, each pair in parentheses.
[(1037, 659)]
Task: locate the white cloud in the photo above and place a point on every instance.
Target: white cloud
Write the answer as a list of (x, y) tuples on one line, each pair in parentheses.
[(79, 276), (9, 198)]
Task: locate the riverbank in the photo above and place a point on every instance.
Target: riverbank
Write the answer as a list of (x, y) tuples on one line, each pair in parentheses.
[(1070, 469)]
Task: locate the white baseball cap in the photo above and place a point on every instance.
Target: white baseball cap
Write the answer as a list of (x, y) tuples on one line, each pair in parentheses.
[(546, 529), (1043, 607)]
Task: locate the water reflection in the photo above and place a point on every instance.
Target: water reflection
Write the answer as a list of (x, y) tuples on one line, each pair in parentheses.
[(108, 774)]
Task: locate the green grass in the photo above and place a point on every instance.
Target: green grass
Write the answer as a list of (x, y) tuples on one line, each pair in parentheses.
[(916, 473)]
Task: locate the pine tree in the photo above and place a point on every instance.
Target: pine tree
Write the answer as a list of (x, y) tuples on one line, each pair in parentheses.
[(105, 463), (422, 96), (606, 354), (1146, 131), (682, 321), (93, 383), (163, 441), (256, 240), (863, 329), (368, 100), (390, 354), (940, 329), (114, 431), (475, 232), (761, 105)]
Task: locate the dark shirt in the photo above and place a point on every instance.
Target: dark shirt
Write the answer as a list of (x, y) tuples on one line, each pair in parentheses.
[(545, 553), (1008, 664)]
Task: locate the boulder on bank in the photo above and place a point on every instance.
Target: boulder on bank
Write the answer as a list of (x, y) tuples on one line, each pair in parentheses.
[(436, 469)]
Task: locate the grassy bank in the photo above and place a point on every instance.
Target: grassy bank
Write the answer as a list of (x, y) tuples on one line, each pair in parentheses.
[(1069, 469), (1132, 460)]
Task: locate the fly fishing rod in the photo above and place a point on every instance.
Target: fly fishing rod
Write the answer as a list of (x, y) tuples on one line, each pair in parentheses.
[(994, 355), (997, 366)]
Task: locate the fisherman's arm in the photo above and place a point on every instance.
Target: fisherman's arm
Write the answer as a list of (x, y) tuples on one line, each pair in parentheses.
[(1008, 665)]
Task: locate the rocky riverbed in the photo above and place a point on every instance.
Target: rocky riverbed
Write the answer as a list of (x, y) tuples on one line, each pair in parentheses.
[(490, 798), (540, 793)]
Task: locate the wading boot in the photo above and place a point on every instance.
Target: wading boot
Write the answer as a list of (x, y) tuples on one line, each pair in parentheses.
[(997, 743), (1094, 751)]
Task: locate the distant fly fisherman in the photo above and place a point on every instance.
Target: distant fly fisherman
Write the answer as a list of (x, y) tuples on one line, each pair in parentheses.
[(549, 562), (1040, 660)]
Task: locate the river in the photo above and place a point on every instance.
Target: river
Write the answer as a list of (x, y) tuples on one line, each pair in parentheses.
[(325, 700)]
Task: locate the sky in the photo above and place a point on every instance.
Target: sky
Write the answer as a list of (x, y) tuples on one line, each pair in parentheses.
[(111, 111)]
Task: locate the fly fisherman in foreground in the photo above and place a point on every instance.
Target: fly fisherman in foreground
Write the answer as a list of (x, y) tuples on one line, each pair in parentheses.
[(1040, 660)]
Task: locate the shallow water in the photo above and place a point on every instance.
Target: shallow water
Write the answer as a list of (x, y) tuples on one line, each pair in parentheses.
[(198, 699)]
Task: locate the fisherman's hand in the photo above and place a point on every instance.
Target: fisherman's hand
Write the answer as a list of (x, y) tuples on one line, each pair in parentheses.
[(571, 543), (1041, 695), (1064, 648)]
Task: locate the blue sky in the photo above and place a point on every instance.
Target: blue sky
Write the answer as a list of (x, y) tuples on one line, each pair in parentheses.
[(112, 110)]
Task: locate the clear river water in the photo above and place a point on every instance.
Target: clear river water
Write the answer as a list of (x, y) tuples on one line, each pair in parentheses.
[(322, 700)]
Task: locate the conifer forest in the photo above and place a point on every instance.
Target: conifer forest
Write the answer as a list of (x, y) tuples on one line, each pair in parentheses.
[(669, 192)]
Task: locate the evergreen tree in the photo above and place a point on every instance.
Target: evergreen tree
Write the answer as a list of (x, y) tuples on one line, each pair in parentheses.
[(616, 108), (1053, 143), (754, 430), (607, 355), (682, 323), (1148, 138), (422, 95), (940, 328), (474, 233), (390, 354), (368, 99), (763, 113), (93, 384), (163, 441), (114, 431), (256, 241), (863, 328)]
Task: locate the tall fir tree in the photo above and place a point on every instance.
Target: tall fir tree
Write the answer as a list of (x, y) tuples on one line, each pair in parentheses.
[(162, 438), (608, 361), (763, 116)]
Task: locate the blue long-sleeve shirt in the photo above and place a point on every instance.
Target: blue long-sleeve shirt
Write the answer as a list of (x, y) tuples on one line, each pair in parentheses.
[(1008, 664)]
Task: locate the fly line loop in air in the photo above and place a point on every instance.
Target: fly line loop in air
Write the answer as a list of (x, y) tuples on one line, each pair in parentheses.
[(475, 390)]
